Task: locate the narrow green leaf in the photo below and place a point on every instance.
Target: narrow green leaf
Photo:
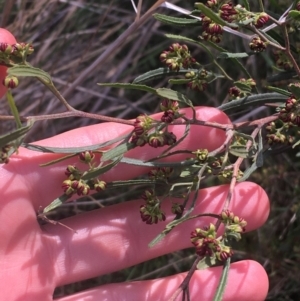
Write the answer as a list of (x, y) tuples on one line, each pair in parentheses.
[(228, 55), (214, 17), (188, 40), (243, 87), (246, 21), (294, 14), (259, 157), (176, 81), (96, 172), (169, 227), (257, 99), (25, 70), (223, 281), (181, 38), (58, 160), (137, 162), (56, 203), (176, 21), (128, 86), (278, 90), (207, 262), (246, 5), (295, 89), (282, 76), (71, 150), (13, 136), (239, 151), (174, 95), (258, 161), (115, 184), (117, 151), (158, 73), (248, 172)]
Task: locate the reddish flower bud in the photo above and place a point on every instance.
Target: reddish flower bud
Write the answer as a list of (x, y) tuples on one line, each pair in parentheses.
[(261, 20), (6, 48), (99, 185), (86, 157), (11, 82)]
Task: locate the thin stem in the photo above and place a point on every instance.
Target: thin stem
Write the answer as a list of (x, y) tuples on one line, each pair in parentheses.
[(222, 70), (275, 21), (75, 113), (183, 286), (261, 6), (261, 121), (13, 108), (53, 89), (288, 51), (254, 29)]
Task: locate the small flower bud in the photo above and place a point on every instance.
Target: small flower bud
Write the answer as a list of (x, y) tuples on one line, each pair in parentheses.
[(261, 20), (11, 82), (99, 185), (157, 139), (86, 157), (6, 48)]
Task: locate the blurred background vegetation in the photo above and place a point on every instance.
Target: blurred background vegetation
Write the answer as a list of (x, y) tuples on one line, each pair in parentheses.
[(69, 36)]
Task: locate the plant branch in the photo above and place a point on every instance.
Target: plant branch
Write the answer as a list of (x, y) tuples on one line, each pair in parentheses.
[(185, 283), (288, 50)]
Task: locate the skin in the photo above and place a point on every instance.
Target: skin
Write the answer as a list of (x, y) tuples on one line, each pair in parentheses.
[(35, 259), (5, 37)]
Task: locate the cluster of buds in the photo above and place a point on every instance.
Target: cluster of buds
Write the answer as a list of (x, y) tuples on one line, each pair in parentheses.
[(74, 184), (198, 81), (226, 175), (177, 56), (258, 45), (170, 109), (160, 173), (151, 212), (234, 225), (201, 155), (141, 135), (246, 85), (235, 93), (291, 111), (4, 154), (228, 12), (161, 138), (142, 125), (10, 54), (207, 243), (286, 128), (280, 132), (211, 30), (282, 60)]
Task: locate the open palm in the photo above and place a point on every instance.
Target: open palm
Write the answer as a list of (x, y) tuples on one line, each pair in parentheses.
[(35, 259)]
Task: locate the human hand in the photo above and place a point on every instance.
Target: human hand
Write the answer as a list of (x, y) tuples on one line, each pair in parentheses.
[(35, 259)]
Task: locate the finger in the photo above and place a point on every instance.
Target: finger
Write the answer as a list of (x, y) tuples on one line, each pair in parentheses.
[(114, 238), (247, 281), (45, 183)]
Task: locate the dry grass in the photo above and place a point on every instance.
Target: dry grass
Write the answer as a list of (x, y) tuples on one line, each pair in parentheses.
[(69, 37)]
